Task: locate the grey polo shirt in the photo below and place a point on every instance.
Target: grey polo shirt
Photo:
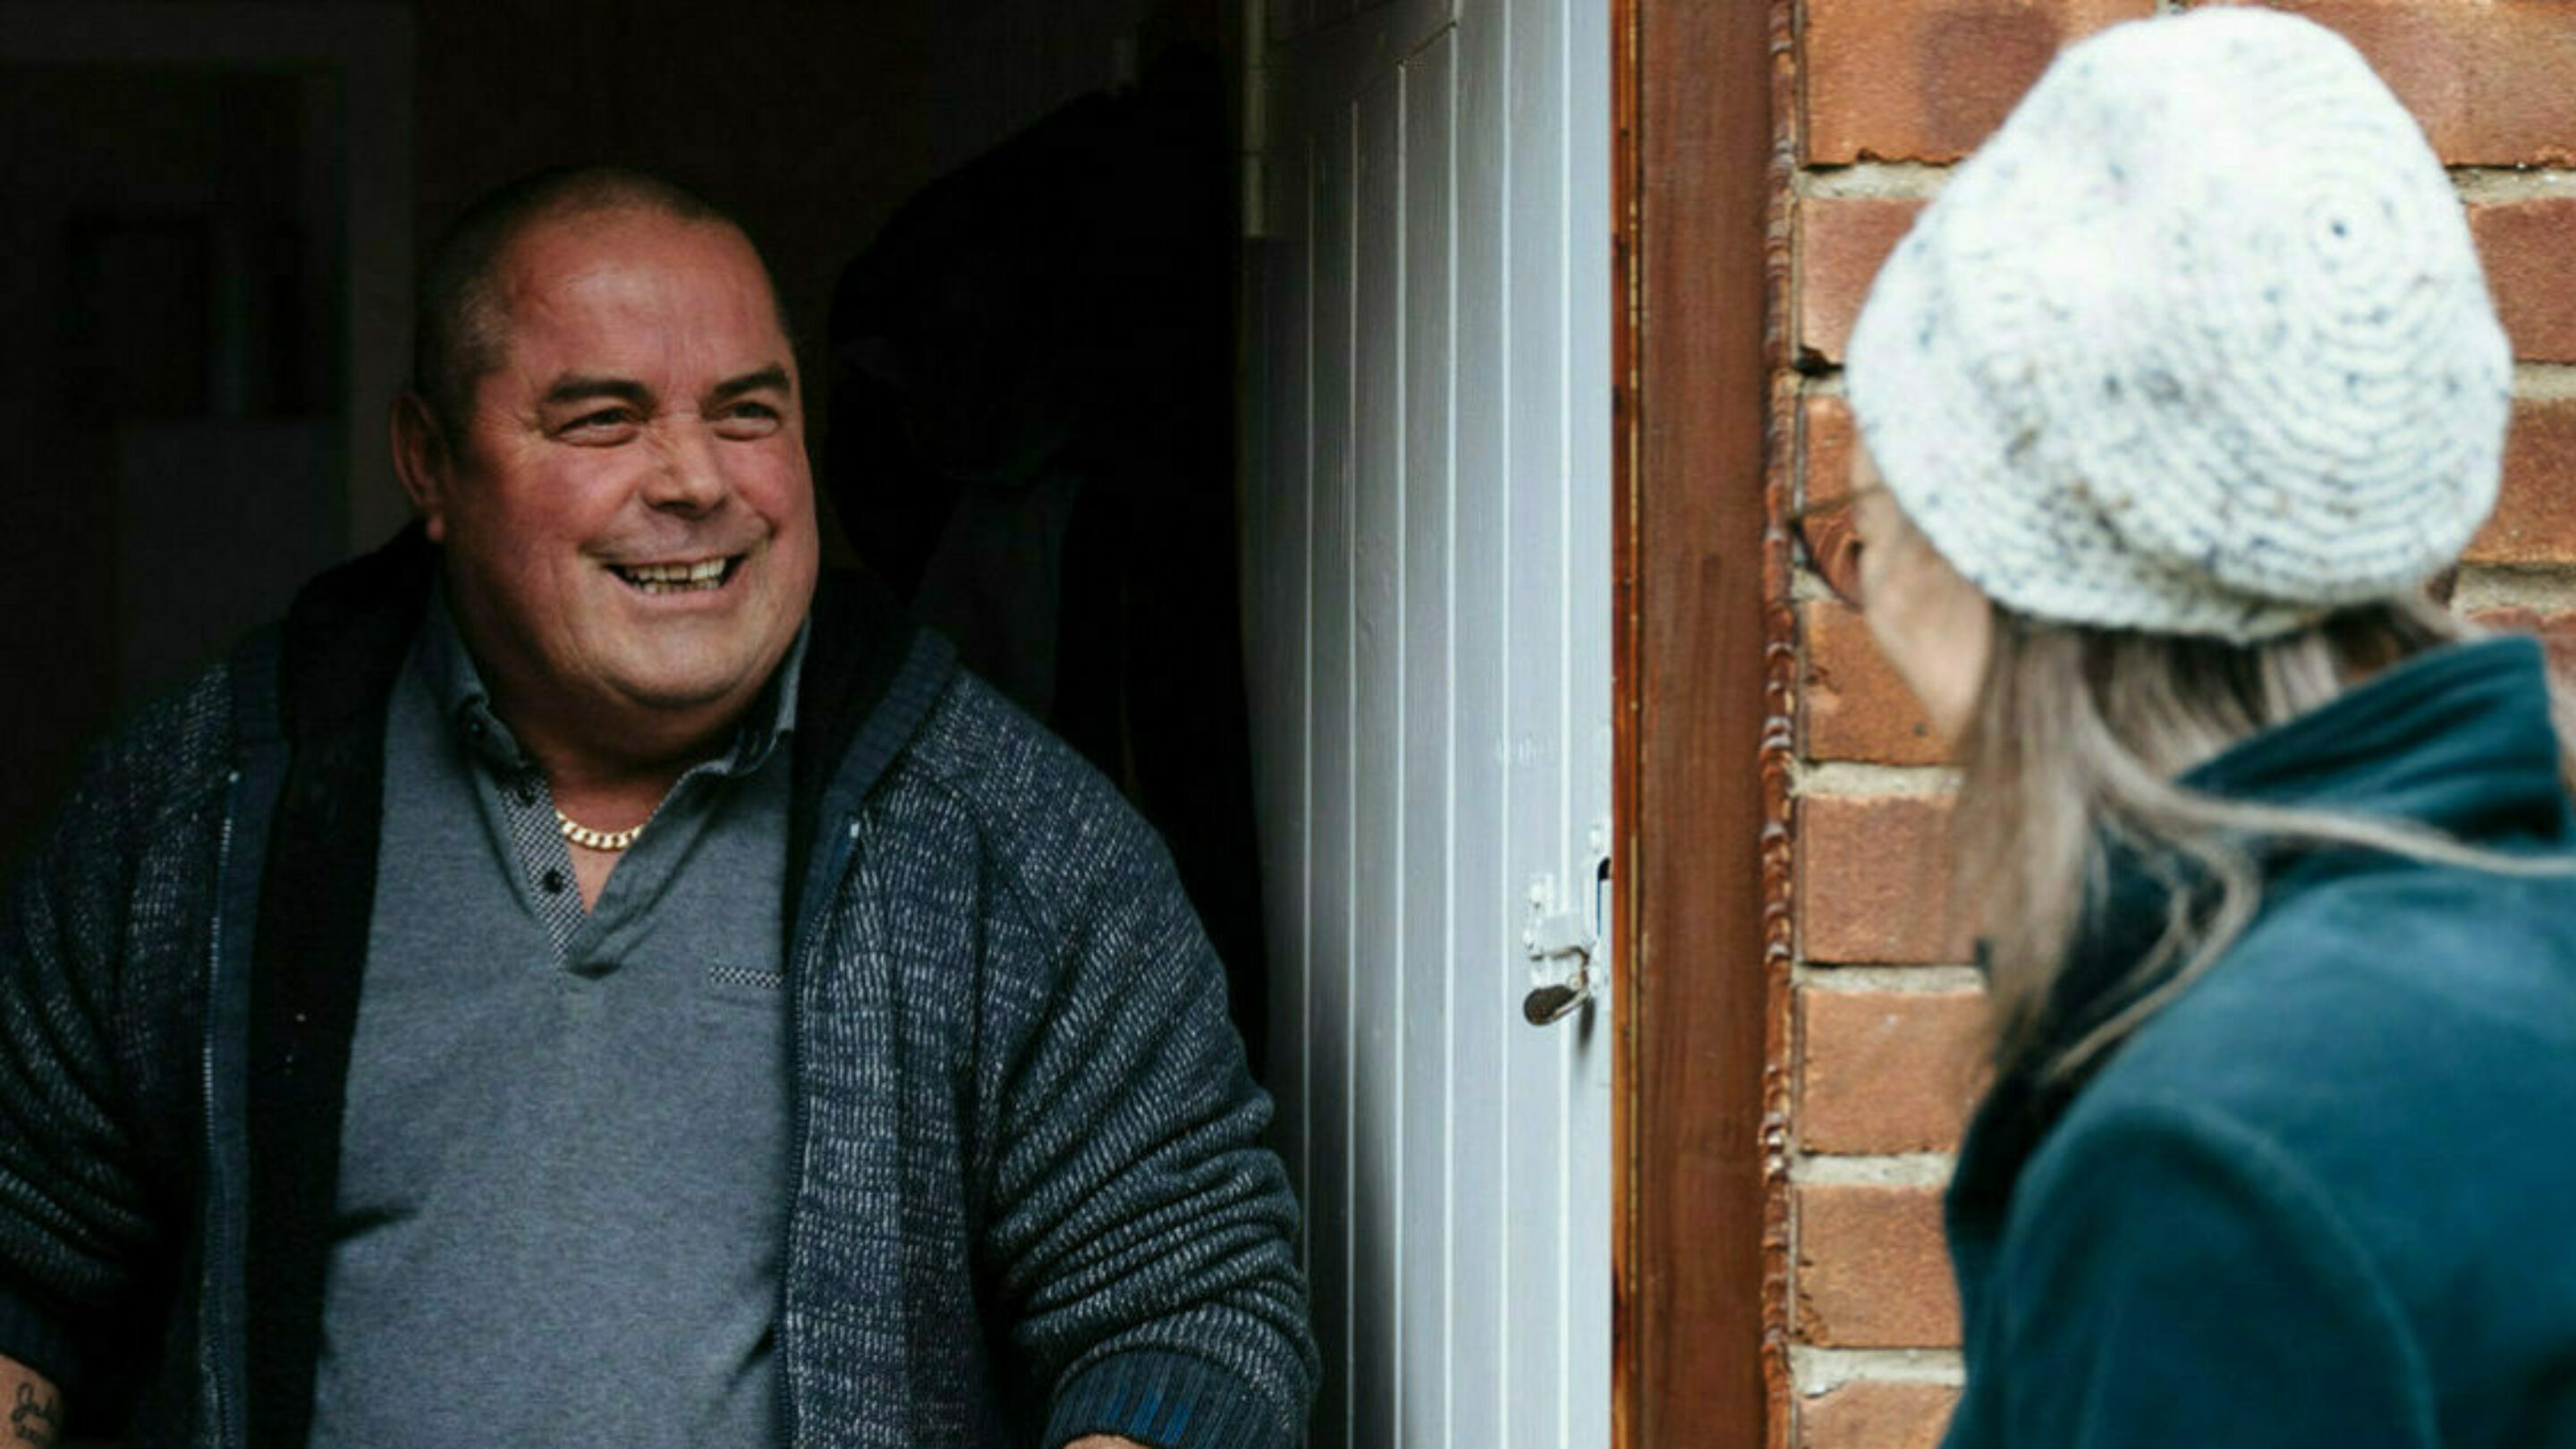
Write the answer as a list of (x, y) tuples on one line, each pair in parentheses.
[(563, 1175)]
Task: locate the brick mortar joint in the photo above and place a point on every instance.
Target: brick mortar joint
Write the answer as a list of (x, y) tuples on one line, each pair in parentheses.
[(1934, 980), (1870, 181), (1857, 1169), (1820, 1371), (2498, 185), (1851, 779), (2544, 381), (2543, 589)]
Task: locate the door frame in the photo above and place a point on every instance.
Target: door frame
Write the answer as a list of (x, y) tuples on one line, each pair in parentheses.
[(1702, 682)]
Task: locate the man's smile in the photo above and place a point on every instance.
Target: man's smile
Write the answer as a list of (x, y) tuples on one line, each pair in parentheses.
[(704, 576)]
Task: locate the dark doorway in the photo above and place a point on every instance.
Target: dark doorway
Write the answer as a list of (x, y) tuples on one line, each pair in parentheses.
[(173, 403)]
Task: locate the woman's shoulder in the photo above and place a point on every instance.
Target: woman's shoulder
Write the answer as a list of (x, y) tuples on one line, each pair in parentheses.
[(2372, 983), (2396, 1050), (2351, 1129), (2361, 968)]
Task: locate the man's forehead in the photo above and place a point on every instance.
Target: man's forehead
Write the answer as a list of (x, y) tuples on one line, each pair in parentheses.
[(556, 251), (704, 259)]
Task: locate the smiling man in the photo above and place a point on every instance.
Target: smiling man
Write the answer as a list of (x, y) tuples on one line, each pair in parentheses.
[(590, 978)]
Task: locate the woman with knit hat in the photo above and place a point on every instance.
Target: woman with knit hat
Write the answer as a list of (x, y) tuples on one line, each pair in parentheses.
[(2172, 403)]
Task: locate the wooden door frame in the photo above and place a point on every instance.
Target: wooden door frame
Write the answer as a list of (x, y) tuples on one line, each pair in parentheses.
[(1703, 673)]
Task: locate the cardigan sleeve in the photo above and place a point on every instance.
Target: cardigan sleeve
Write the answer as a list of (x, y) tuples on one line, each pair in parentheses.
[(1142, 1232), (76, 1219), (2171, 1278)]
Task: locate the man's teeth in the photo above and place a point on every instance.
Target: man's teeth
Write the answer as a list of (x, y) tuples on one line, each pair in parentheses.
[(676, 578)]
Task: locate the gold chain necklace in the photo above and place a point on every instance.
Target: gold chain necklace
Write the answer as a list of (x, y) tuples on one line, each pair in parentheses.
[(607, 841)]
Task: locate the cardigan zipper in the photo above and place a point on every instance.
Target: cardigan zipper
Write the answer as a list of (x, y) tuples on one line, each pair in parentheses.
[(253, 784), (801, 965), (212, 1329)]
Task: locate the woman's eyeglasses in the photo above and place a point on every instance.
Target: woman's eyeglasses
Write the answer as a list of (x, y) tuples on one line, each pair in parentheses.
[(1825, 542)]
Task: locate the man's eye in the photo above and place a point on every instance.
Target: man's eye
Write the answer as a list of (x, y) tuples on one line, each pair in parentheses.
[(600, 421), (746, 420)]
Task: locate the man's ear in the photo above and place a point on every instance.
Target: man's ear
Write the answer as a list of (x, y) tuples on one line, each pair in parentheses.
[(424, 461)]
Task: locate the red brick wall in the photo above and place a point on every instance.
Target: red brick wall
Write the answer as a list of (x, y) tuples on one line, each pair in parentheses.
[(1890, 93)]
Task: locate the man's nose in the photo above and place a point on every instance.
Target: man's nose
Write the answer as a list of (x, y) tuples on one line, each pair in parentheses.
[(689, 476)]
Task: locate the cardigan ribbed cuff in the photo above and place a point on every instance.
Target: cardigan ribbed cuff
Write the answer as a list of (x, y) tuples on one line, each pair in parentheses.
[(1166, 1401), (37, 1340)]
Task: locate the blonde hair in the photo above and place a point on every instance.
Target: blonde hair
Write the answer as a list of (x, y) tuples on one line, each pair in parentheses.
[(2078, 739)]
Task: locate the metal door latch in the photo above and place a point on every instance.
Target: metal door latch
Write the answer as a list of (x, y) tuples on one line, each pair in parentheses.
[(1552, 937)]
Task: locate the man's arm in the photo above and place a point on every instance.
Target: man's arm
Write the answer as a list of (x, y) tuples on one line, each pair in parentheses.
[(35, 1410), (1143, 1236), (78, 1226)]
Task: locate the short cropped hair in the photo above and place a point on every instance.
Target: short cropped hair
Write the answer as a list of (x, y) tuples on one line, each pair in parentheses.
[(459, 324)]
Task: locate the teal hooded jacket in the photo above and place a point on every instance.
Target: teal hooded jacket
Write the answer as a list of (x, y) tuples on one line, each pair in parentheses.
[(2327, 1197)]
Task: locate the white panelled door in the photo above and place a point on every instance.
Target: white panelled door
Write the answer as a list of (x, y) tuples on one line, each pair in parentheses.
[(1429, 545)]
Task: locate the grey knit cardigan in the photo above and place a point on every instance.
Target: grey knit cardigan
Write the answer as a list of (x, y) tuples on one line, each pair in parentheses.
[(1028, 1199)]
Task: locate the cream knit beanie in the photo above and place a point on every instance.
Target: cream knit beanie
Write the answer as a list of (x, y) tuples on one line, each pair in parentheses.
[(2196, 344)]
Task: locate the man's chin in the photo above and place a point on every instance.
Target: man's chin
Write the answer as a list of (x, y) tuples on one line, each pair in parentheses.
[(661, 691), (657, 691), (680, 698)]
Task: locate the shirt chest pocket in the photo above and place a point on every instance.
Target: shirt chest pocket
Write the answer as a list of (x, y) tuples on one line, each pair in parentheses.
[(759, 988)]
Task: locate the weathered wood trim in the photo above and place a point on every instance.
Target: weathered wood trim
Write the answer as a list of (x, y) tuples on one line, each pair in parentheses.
[(1704, 666)]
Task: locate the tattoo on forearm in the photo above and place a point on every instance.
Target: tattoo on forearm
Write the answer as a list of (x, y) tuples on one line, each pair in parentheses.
[(36, 1418)]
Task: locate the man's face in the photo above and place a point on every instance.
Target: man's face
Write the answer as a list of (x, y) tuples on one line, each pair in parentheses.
[(629, 516)]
